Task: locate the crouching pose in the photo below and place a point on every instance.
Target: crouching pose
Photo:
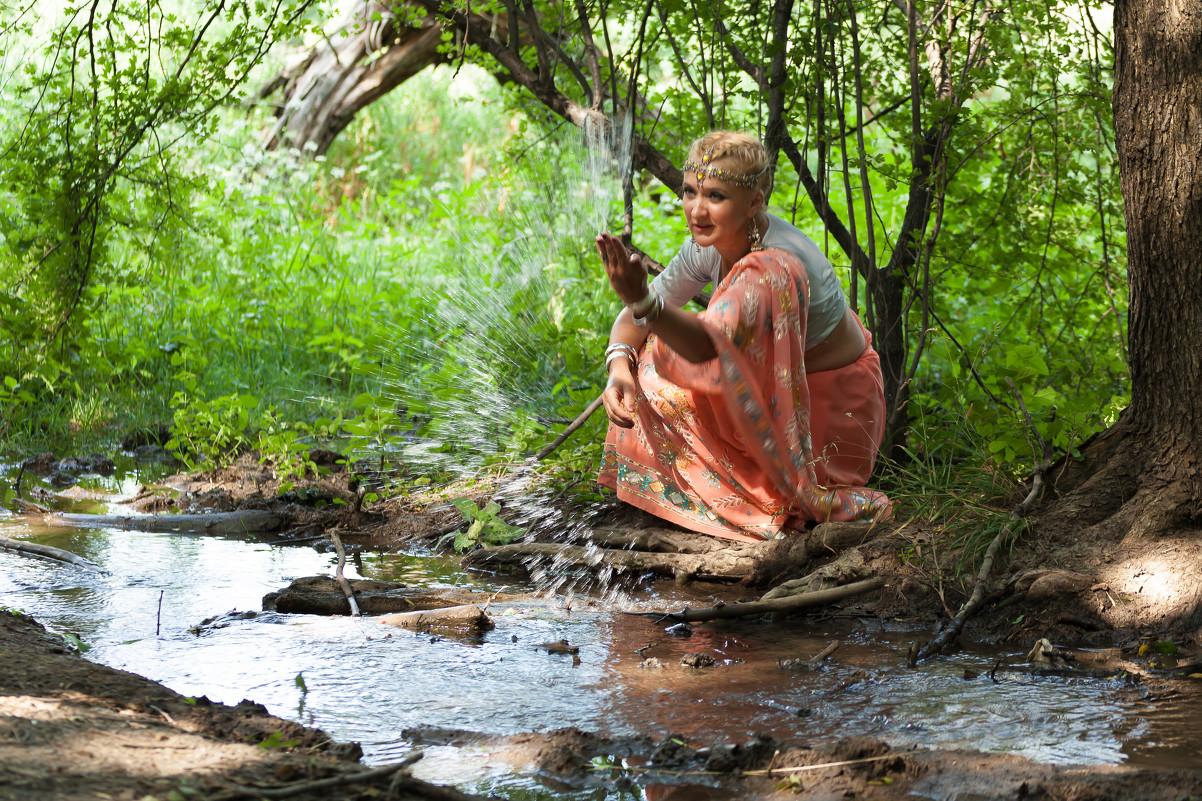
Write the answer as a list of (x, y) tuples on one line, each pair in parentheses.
[(766, 410)]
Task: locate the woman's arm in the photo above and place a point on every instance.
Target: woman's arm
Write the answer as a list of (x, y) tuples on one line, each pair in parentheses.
[(679, 330)]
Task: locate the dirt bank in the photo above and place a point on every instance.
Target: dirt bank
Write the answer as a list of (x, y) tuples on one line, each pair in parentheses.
[(71, 729)]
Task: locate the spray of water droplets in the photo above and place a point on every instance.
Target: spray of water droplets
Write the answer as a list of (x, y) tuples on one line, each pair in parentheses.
[(503, 325)]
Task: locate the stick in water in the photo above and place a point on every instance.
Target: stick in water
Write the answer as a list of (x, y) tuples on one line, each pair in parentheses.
[(341, 579), (158, 620)]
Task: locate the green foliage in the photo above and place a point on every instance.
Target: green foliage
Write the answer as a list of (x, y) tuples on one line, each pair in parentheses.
[(950, 485), (76, 644), (276, 742), (486, 526), (101, 94), (428, 291)]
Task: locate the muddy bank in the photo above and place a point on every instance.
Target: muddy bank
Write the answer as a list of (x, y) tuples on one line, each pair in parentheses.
[(73, 729)]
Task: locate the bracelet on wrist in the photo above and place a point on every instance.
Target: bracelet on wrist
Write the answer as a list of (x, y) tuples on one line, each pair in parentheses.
[(651, 314), (619, 350), (644, 306)]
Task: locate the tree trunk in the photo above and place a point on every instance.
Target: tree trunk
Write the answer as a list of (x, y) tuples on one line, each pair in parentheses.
[(1158, 126), (1153, 478), (361, 59)]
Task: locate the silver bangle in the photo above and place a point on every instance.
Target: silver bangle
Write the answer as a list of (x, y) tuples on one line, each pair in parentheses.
[(651, 314), (618, 350), (644, 306)]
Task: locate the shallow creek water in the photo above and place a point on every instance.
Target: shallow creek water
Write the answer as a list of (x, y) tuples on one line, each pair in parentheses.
[(375, 685)]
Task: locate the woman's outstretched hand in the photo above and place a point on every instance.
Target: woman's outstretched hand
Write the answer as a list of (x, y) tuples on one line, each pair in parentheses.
[(626, 271)]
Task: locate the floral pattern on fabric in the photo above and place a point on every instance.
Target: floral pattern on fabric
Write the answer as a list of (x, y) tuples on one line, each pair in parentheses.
[(725, 447)]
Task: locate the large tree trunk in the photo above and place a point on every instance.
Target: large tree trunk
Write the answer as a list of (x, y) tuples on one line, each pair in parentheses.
[(362, 58), (1152, 482)]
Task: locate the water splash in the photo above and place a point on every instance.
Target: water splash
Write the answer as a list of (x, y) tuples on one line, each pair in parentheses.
[(523, 309)]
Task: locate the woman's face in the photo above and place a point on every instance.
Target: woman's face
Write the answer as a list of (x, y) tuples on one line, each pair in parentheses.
[(718, 212)]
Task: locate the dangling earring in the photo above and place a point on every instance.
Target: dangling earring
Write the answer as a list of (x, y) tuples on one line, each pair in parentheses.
[(696, 247), (753, 236)]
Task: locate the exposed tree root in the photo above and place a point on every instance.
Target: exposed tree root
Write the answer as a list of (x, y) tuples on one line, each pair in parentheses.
[(789, 603), (683, 555), (707, 567)]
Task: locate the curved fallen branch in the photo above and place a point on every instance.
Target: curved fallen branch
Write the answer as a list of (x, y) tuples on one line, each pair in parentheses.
[(50, 552), (790, 603)]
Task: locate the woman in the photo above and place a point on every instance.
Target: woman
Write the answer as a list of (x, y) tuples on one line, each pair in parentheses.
[(766, 410)]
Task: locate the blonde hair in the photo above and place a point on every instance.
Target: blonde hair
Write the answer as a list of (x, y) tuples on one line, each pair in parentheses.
[(743, 153)]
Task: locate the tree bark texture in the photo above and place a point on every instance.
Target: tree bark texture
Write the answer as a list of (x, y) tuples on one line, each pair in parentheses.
[(363, 58), (1158, 126), (1158, 123)]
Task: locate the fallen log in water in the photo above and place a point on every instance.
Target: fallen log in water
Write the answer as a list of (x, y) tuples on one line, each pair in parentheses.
[(321, 595), (468, 618), (49, 552), (245, 521)]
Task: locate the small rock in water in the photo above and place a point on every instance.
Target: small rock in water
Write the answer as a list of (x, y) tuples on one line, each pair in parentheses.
[(697, 661), (797, 663), (680, 630), (101, 465), (651, 663), (73, 465), (559, 647), (61, 480), (42, 463)]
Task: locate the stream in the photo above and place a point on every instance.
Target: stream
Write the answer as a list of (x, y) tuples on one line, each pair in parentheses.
[(379, 686)]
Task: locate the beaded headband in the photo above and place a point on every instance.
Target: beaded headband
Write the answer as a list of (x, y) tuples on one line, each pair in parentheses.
[(703, 168)]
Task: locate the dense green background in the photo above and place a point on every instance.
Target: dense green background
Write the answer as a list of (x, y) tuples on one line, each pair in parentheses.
[(426, 294)]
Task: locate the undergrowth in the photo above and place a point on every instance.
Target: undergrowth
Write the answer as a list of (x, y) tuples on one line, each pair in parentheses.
[(426, 298)]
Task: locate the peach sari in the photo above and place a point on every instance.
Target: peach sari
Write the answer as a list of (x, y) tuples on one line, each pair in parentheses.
[(747, 445)]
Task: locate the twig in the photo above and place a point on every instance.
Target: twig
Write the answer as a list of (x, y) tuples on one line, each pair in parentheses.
[(488, 603), (17, 483), (786, 604), (825, 652), (50, 552), (158, 618), (290, 790), (163, 712), (341, 579), (571, 429)]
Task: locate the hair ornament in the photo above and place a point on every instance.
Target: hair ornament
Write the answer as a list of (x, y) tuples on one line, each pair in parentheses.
[(704, 169)]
